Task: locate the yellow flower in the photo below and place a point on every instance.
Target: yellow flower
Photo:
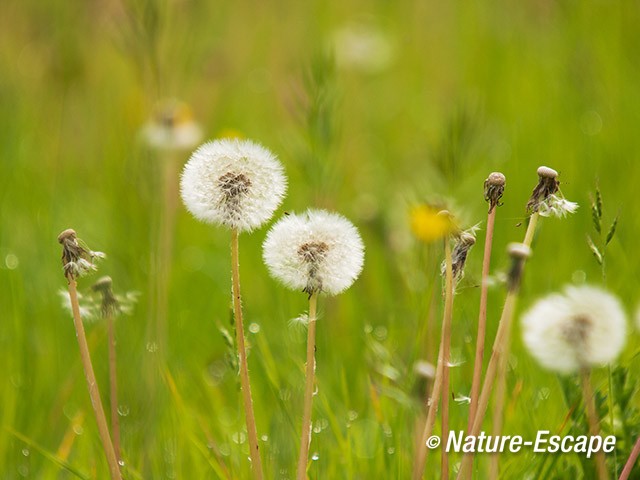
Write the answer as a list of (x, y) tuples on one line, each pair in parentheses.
[(427, 225)]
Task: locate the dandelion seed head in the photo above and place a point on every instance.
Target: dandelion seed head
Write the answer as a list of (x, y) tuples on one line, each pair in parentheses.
[(494, 189), (234, 183), (546, 172), (582, 328), (315, 251), (77, 258), (548, 184)]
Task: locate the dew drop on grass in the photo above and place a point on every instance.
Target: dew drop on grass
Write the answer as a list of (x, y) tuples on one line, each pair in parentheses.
[(225, 450), (543, 393), (316, 428), (315, 456), (77, 429), (353, 415), (123, 410), (121, 463), (391, 450), (254, 327), (239, 437), (368, 328), (11, 261), (25, 452), (264, 438), (381, 332), (152, 347)]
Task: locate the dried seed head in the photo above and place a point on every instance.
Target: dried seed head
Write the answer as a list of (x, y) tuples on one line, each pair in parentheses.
[(110, 305), (464, 241), (234, 183), (494, 189), (546, 172), (584, 327), (316, 251), (77, 258), (548, 184)]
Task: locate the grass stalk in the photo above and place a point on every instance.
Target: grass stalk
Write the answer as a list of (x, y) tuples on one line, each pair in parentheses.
[(305, 438), (500, 344), (92, 384), (256, 463), (592, 416)]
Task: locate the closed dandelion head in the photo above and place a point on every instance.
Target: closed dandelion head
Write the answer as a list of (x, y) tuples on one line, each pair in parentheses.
[(77, 257), (494, 189), (315, 251), (172, 127), (463, 243), (234, 183), (584, 327), (548, 184)]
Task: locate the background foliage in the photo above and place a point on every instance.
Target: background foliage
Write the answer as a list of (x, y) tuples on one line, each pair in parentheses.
[(448, 93)]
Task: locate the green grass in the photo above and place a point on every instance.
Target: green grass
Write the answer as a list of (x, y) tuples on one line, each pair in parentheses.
[(471, 88)]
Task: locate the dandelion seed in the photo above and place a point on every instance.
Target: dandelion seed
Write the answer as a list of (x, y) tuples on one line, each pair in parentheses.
[(583, 328), (316, 251), (234, 183), (557, 207), (172, 127), (88, 308), (77, 258)]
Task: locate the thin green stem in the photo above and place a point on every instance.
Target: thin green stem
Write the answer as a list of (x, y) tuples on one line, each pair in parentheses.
[(254, 452)]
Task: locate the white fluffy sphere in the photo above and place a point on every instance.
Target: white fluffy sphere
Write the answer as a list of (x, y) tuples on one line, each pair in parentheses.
[(316, 251), (234, 183), (585, 327)]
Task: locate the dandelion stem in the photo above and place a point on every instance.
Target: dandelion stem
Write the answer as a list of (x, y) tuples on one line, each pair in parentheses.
[(441, 382), (113, 387), (254, 451), (92, 384), (592, 416), (500, 345), (482, 319), (446, 349), (305, 438), (626, 471)]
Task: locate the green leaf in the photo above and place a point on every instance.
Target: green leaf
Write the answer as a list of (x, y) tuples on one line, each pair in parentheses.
[(595, 250), (612, 230)]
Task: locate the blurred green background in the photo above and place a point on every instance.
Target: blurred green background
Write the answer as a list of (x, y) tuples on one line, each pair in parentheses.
[(370, 106)]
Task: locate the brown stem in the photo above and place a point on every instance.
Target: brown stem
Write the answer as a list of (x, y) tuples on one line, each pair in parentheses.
[(438, 383), (92, 384), (626, 471), (113, 384), (305, 438), (500, 345), (592, 416), (482, 319), (446, 351), (256, 463)]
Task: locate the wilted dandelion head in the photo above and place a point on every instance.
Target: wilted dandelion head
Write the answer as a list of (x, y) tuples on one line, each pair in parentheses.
[(548, 184), (77, 258), (172, 127), (429, 224), (582, 328), (234, 183), (315, 251), (494, 189), (110, 305), (463, 243)]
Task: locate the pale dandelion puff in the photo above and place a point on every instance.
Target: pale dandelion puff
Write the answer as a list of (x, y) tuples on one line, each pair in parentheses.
[(234, 183), (88, 308), (582, 328), (315, 251), (557, 206)]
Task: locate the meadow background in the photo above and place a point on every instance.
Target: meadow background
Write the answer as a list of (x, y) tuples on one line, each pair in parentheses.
[(427, 100)]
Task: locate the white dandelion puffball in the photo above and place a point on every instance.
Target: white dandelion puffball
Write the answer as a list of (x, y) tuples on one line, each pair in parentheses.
[(234, 183), (585, 327), (315, 251)]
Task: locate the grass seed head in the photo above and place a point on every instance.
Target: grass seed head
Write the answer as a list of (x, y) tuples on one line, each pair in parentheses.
[(316, 251), (234, 183)]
